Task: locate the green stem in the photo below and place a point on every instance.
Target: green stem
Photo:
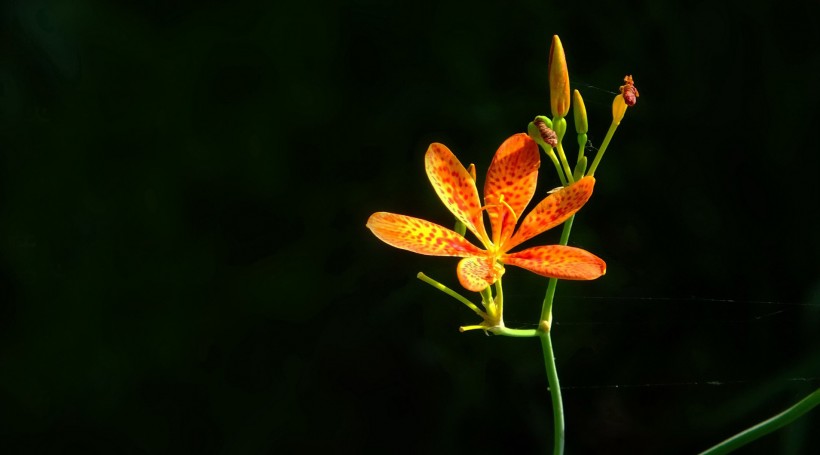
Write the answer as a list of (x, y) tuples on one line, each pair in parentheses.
[(582, 144), (450, 292), (564, 162), (546, 308), (549, 357), (555, 392), (767, 426), (551, 153), (516, 333), (612, 127), (499, 301)]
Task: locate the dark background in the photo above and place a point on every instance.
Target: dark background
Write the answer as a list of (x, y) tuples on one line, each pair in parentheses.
[(184, 266)]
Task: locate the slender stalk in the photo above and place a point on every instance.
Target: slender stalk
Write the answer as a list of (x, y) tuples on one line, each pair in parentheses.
[(551, 153), (516, 333), (450, 292), (499, 300), (767, 426), (612, 127), (549, 357), (564, 163), (582, 144), (555, 392), (546, 308)]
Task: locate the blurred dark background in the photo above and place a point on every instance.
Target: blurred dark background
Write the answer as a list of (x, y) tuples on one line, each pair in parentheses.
[(184, 266)]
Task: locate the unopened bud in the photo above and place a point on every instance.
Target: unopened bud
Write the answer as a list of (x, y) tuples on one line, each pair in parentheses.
[(618, 109), (579, 112), (559, 79)]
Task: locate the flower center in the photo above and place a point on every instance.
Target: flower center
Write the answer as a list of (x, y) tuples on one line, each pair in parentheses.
[(495, 215)]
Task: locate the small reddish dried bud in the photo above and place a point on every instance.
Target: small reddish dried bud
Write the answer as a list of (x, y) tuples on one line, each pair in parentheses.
[(547, 134), (629, 92)]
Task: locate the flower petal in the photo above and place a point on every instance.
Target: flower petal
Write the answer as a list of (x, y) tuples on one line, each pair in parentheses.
[(420, 236), (455, 187), (511, 178), (557, 261), (552, 211), (477, 273)]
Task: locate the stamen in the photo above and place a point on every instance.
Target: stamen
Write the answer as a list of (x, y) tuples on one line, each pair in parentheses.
[(493, 216), (502, 203)]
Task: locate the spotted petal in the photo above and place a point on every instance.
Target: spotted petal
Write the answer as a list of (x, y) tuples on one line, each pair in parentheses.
[(557, 261), (552, 211), (420, 236), (455, 187), (476, 273), (510, 184)]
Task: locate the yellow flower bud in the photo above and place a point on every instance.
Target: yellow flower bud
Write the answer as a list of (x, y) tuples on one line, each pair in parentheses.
[(580, 113), (618, 109), (559, 79)]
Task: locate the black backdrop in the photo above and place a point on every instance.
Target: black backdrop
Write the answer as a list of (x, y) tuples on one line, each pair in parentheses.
[(184, 266)]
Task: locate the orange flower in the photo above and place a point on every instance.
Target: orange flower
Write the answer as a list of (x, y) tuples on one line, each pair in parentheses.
[(509, 187)]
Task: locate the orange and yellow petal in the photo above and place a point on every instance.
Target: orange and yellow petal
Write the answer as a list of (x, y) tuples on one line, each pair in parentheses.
[(455, 187), (420, 236), (557, 261), (552, 211), (510, 184), (476, 273)]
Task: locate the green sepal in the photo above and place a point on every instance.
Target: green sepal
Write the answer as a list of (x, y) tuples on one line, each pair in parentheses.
[(532, 130), (544, 119), (560, 127)]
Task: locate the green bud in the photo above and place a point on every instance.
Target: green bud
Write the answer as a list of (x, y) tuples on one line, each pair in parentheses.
[(560, 127), (580, 168), (579, 111)]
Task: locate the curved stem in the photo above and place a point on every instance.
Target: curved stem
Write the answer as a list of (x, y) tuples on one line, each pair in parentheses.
[(555, 392), (767, 426), (450, 292)]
